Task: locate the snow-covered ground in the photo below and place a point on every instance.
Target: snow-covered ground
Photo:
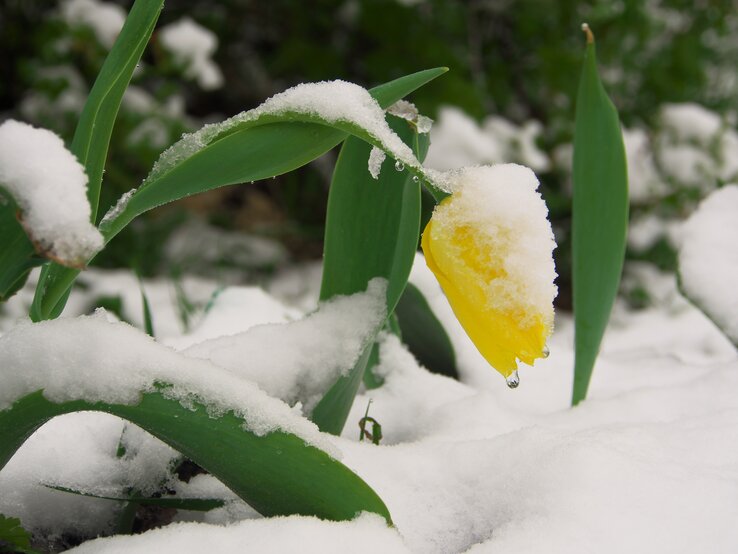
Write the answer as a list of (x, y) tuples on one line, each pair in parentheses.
[(649, 463)]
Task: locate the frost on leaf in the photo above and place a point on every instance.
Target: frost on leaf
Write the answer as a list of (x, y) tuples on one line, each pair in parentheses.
[(49, 186), (376, 158)]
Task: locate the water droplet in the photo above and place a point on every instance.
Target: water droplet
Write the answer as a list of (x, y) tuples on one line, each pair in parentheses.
[(416, 179), (513, 380), (399, 166), (546, 351)]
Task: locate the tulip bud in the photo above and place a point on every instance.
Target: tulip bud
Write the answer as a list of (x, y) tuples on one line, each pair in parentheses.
[(490, 246)]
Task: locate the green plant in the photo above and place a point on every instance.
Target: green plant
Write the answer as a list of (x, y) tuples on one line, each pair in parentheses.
[(372, 233), (257, 149), (600, 217)]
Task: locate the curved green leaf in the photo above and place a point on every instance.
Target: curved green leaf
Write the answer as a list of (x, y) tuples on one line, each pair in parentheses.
[(95, 126), (277, 474), (251, 150), (372, 229), (600, 217), (92, 135)]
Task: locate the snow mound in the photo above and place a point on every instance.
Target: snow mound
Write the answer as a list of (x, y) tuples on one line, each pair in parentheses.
[(50, 187), (708, 259)]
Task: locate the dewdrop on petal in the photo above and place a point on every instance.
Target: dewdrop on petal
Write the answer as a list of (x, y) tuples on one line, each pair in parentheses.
[(490, 246)]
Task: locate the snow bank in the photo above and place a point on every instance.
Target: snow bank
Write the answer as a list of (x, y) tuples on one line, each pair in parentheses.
[(708, 259), (367, 534), (50, 187), (648, 463), (193, 45), (322, 346), (690, 121), (104, 18), (235, 310), (644, 183)]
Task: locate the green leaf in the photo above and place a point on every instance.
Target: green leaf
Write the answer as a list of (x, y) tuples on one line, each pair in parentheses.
[(600, 218), (372, 229), (89, 145), (252, 150), (95, 127), (17, 255), (277, 473), (424, 335), (92, 136), (148, 320), (13, 538), (194, 504)]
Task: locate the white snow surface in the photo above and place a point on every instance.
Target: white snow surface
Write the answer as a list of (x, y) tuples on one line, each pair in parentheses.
[(644, 183), (322, 346), (367, 534), (648, 463), (193, 45), (50, 187), (689, 121), (708, 258), (104, 18), (232, 311)]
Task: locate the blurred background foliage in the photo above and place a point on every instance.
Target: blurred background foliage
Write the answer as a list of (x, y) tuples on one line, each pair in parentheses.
[(514, 66)]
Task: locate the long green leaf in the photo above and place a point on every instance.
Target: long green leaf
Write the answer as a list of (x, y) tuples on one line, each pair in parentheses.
[(193, 504), (17, 255), (90, 142), (257, 149), (94, 129), (372, 230), (277, 473), (424, 335), (600, 217)]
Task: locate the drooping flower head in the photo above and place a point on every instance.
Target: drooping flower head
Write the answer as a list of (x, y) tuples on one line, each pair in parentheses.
[(490, 246)]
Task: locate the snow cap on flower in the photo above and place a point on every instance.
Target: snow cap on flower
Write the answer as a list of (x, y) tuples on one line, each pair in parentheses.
[(490, 246)]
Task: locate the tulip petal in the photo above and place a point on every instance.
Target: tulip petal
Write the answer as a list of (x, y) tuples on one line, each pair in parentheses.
[(478, 266)]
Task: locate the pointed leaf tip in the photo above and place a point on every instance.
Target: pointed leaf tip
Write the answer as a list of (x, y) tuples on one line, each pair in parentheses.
[(587, 31)]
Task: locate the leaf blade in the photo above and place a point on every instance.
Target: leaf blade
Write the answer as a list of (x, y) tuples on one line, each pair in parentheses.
[(372, 230), (424, 335), (277, 473), (600, 218)]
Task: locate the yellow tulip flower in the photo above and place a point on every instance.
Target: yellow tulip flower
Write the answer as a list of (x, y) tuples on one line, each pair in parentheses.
[(489, 245)]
